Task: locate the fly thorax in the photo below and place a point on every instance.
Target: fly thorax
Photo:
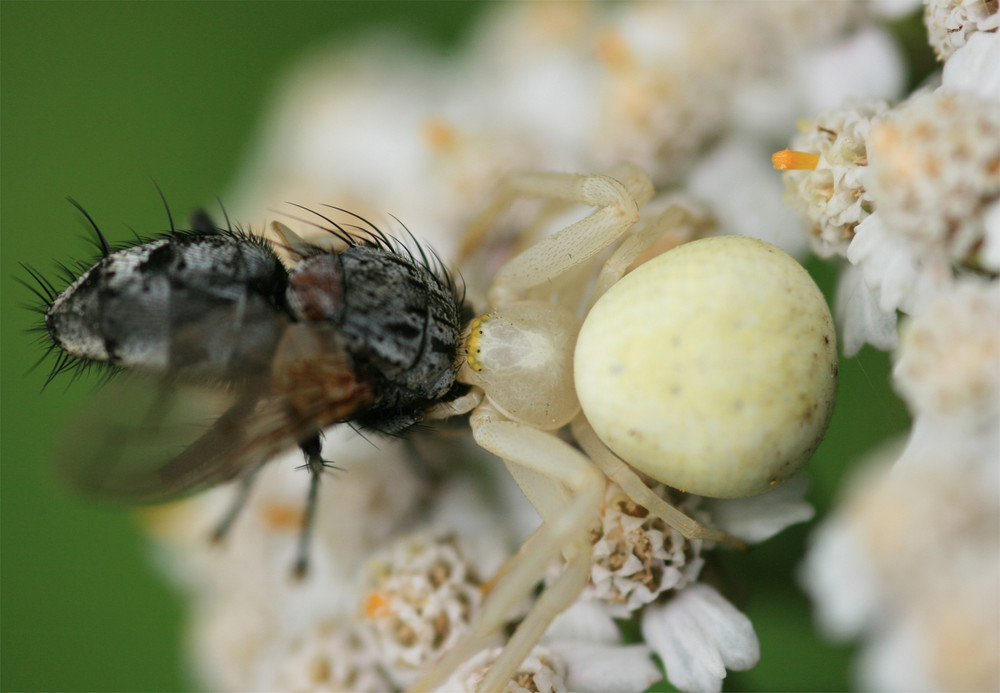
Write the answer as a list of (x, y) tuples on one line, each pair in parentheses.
[(396, 317)]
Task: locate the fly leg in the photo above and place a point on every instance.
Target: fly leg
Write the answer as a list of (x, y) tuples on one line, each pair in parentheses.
[(315, 464), (239, 502)]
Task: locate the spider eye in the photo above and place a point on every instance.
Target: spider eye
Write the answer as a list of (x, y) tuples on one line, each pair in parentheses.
[(525, 370)]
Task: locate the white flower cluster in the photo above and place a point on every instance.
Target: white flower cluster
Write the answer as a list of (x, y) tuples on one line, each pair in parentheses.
[(541, 672), (675, 87), (933, 173), (420, 595), (329, 656), (910, 561), (909, 194), (832, 192), (696, 93), (951, 22), (645, 570), (637, 557)]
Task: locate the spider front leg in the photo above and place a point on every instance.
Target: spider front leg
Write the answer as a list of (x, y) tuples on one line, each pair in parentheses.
[(567, 517), (677, 224), (560, 189), (618, 204)]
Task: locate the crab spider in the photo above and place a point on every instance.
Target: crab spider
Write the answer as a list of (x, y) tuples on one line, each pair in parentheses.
[(526, 385)]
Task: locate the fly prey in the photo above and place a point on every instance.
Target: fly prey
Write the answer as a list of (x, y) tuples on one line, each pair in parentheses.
[(210, 318)]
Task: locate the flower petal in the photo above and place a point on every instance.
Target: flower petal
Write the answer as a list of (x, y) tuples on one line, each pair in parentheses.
[(603, 669), (698, 634), (757, 518), (585, 620), (860, 319)]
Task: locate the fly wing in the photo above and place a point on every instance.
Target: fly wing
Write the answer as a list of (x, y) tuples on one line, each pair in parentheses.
[(146, 440)]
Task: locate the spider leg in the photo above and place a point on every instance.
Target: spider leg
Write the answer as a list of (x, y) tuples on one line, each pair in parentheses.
[(565, 529), (575, 244), (636, 489), (676, 224)]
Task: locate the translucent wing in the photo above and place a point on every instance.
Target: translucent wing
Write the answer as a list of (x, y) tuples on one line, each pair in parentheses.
[(147, 439)]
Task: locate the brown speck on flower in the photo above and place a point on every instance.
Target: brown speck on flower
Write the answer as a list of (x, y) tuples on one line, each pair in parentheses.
[(319, 670)]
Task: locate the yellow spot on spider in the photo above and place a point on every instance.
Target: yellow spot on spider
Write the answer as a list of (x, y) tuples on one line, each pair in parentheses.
[(789, 159), (377, 605), (472, 348)]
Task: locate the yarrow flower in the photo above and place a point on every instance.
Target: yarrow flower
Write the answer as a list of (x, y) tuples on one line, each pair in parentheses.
[(951, 22), (947, 370), (909, 562), (935, 183), (636, 556), (387, 126), (419, 596), (329, 657), (924, 625), (825, 174), (911, 196), (935, 169), (541, 672), (643, 568)]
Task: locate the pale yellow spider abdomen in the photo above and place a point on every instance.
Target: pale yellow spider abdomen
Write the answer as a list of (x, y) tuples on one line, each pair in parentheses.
[(711, 368)]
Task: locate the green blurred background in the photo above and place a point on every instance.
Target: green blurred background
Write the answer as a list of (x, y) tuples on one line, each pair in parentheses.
[(97, 99)]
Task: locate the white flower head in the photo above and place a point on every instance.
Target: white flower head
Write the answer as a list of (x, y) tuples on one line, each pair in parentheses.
[(896, 274), (334, 656), (828, 184), (246, 605), (972, 68), (541, 672), (950, 23), (947, 370), (658, 112), (374, 492), (933, 171), (419, 597), (636, 556), (948, 363), (911, 564)]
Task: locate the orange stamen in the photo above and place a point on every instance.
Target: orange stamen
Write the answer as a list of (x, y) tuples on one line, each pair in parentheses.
[(281, 517), (788, 159), (438, 134), (614, 51), (376, 605)]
